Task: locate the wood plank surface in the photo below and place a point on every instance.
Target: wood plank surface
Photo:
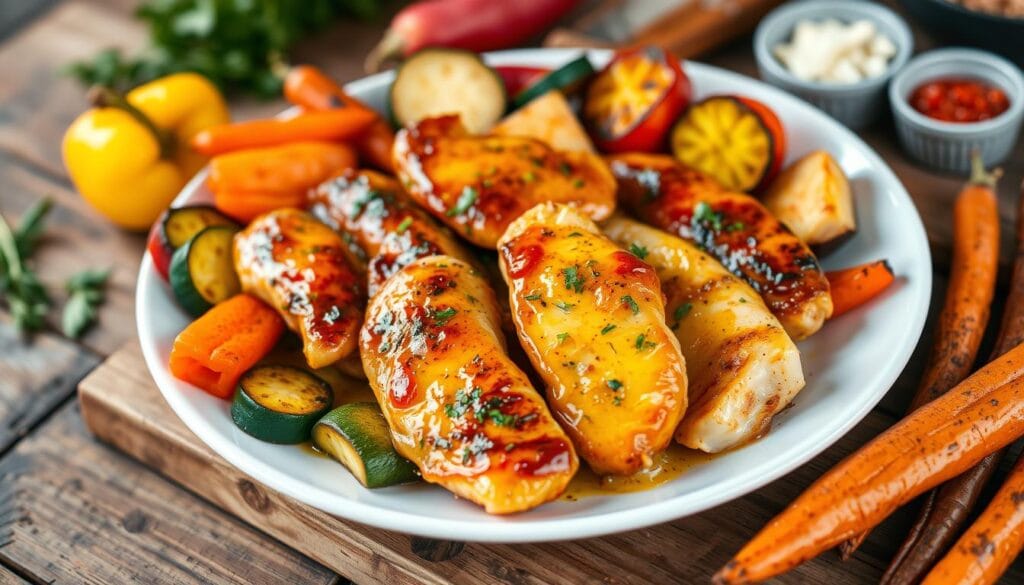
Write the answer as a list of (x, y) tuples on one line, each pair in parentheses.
[(38, 373), (71, 511), (123, 408)]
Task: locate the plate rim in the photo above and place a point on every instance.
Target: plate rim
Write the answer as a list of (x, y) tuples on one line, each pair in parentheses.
[(545, 529)]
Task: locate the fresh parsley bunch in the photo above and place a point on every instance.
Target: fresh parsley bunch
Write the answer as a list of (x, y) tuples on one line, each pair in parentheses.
[(241, 45)]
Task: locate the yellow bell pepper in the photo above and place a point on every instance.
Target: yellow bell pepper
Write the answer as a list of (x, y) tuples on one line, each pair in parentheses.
[(129, 156)]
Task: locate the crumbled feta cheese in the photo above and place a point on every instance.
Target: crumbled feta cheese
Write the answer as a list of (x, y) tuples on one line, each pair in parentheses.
[(835, 52)]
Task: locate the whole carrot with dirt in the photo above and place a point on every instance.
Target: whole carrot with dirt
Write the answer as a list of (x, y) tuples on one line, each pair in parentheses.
[(947, 509)]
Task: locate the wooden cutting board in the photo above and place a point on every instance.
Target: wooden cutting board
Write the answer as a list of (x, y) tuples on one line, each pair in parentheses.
[(122, 406)]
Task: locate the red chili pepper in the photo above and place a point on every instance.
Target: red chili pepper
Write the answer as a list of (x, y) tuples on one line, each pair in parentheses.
[(476, 25)]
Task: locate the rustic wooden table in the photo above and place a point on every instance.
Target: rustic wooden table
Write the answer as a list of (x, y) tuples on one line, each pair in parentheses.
[(74, 510)]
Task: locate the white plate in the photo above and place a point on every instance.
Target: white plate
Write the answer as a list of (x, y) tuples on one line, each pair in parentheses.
[(849, 365)]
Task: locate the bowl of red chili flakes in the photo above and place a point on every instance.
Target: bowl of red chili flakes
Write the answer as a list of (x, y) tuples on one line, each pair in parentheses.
[(948, 103)]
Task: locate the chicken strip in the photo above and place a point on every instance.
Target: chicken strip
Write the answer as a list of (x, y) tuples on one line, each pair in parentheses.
[(457, 406), (479, 184), (732, 227), (742, 366), (297, 265), (380, 219), (591, 317)]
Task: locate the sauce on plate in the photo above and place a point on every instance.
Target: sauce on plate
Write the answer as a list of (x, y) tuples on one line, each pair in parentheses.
[(668, 465)]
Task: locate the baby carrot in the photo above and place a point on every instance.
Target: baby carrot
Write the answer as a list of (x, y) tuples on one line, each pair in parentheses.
[(991, 544), (216, 349), (854, 286), (328, 125), (308, 87), (251, 182), (935, 443)]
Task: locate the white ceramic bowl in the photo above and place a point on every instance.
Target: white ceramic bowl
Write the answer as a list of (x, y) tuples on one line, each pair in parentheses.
[(947, 146), (856, 105), (849, 365)]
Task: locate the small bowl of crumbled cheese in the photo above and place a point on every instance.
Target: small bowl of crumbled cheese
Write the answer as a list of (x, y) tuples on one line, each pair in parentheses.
[(837, 54)]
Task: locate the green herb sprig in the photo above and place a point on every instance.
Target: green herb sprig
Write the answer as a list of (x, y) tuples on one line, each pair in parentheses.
[(25, 295), (242, 46)]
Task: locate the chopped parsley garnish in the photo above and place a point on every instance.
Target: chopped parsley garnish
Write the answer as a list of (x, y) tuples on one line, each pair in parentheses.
[(614, 385), (529, 176), (471, 403), (608, 329), (574, 235), (735, 226), (617, 401), (642, 343), (743, 299), (466, 200), (680, 312), (573, 281), (441, 317), (628, 300), (562, 337), (703, 213), (532, 297), (404, 225), (638, 250), (578, 183), (564, 306), (565, 168)]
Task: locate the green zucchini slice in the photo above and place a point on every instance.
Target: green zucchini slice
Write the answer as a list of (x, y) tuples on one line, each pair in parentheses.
[(280, 404), (202, 272), (434, 82), (568, 78), (182, 223), (357, 435)]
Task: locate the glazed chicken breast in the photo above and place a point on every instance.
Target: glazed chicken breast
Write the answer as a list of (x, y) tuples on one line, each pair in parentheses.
[(457, 406), (479, 184), (297, 265), (732, 227), (591, 317), (383, 224), (742, 366)]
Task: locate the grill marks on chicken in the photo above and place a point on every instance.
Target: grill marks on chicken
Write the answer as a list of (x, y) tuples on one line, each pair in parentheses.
[(742, 367), (732, 227)]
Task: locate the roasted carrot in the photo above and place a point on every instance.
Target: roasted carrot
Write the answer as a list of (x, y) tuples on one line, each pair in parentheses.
[(251, 182), (991, 544), (935, 443), (948, 507), (342, 124), (854, 286), (972, 283), (216, 349), (310, 88)]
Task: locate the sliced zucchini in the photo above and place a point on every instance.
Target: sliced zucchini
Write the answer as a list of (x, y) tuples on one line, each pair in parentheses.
[(357, 436), (568, 79), (280, 404), (434, 82), (202, 272), (181, 224)]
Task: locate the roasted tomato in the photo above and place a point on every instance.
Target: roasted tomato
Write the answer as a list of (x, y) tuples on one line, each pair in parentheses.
[(736, 140), (631, 105)]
